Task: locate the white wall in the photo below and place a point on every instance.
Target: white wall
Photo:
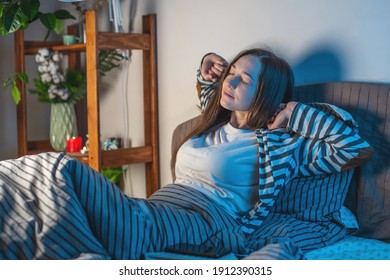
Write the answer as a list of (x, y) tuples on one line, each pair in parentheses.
[(323, 40)]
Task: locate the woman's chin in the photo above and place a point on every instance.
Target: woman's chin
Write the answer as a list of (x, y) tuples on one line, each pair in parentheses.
[(226, 105)]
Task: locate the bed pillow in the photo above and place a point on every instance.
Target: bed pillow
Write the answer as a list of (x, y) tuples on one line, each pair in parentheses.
[(315, 199), (369, 193)]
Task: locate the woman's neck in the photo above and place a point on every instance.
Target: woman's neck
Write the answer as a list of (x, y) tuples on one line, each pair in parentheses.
[(239, 120)]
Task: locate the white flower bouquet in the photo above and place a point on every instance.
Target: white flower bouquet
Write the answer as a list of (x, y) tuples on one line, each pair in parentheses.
[(52, 85)]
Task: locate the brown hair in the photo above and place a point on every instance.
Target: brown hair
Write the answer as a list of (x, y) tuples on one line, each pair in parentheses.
[(275, 83)]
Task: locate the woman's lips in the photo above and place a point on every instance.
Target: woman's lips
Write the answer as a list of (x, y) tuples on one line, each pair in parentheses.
[(228, 95)]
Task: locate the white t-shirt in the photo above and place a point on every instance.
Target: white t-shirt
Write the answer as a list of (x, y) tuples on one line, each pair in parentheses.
[(222, 164)]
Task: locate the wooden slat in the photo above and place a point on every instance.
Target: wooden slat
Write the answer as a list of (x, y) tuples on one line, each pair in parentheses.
[(94, 157), (121, 157), (81, 157), (111, 40), (74, 57), (21, 109), (32, 47), (150, 105)]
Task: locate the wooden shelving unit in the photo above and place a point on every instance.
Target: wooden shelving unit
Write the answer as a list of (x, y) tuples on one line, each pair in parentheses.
[(95, 41)]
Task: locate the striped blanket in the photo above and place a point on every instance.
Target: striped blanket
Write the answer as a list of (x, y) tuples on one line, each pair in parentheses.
[(55, 207), (40, 212)]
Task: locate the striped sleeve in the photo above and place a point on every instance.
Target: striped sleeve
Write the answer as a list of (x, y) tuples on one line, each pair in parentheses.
[(207, 89), (319, 139), (333, 144)]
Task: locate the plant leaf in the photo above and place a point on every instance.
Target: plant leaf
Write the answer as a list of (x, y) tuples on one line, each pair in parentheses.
[(23, 77), (8, 82), (11, 81), (15, 93), (37, 16), (30, 8), (48, 20), (107, 59), (2, 29), (3, 32), (12, 19), (59, 27), (114, 174), (63, 14)]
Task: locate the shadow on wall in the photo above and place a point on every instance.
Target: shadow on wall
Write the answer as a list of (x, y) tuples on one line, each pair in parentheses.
[(320, 65)]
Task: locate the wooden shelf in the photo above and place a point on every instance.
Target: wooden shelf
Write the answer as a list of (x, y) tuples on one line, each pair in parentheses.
[(95, 41), (31, 47), (106, 41), (121, 157)]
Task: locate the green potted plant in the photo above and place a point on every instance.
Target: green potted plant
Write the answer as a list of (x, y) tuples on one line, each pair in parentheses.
[(62, 89), (18, 14)]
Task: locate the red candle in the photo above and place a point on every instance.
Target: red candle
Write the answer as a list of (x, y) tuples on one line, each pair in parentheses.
[(74, 144)]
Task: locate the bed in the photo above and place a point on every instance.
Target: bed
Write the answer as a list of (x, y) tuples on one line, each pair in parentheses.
[(369, 192), (368, 196), (39, 223)]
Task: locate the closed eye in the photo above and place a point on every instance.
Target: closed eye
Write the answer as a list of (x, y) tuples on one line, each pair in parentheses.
[(245, 81)]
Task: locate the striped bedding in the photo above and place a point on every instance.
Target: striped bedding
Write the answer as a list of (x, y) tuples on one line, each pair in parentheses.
[(55, 207), (40, 212)]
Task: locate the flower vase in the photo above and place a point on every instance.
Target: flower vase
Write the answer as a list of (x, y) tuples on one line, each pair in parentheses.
[(62, 125)]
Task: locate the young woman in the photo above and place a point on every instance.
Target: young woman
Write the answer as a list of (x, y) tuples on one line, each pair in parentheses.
[(253, 174), (249, 147)]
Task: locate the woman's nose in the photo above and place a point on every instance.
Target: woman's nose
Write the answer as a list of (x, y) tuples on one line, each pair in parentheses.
[(232, 82)]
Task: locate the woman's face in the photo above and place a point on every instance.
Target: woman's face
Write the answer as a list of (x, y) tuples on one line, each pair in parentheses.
[(239, 86)]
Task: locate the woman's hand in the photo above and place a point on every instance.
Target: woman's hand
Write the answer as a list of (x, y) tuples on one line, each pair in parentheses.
[(212, 67), (282, 116)]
